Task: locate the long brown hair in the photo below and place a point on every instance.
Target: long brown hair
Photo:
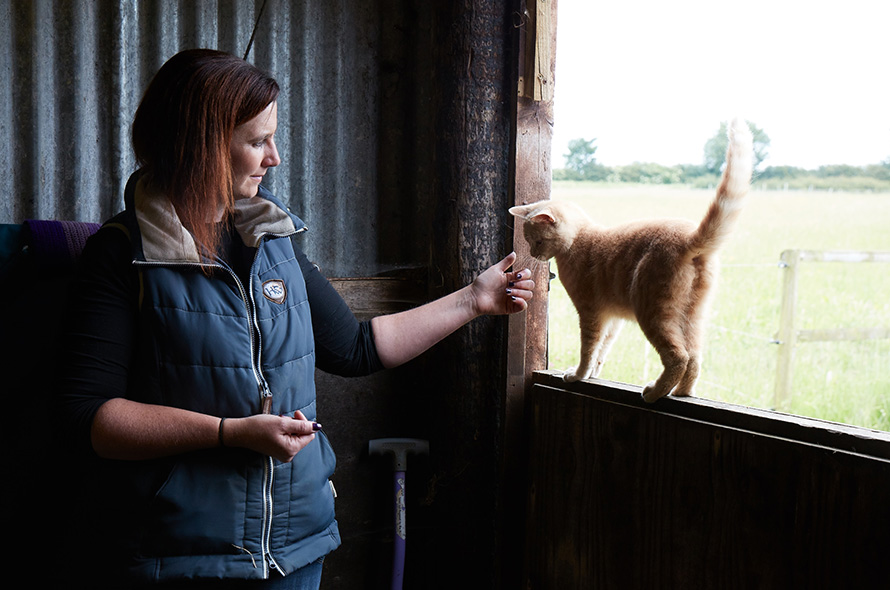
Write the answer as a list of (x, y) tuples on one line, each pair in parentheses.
[(183, 127)]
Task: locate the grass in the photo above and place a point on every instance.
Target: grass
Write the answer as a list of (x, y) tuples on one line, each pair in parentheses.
[(846, 382)]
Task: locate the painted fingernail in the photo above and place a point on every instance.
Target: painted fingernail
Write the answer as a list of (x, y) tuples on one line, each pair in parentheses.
[(513, 297), (316, 426), (519, 276), (510, 284), (509, 291)]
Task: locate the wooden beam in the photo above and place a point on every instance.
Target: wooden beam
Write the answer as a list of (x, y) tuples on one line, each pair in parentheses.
[(368, 297), (527, 333), (536, 77)]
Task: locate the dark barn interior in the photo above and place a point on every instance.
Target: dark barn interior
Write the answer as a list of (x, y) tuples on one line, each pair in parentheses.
[(407, 129)]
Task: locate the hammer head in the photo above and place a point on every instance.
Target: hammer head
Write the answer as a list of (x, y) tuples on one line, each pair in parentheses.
[(400, 448)]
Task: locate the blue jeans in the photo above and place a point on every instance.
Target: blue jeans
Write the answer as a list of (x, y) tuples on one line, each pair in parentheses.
[(305, 578)]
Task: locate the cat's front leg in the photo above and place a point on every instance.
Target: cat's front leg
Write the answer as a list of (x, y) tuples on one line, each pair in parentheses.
[(591, 340)]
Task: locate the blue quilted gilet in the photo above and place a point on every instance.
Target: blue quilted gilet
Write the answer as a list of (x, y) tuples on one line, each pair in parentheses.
[(211, 344)]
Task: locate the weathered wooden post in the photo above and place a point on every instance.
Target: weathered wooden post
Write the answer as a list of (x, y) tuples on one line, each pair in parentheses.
[(527, 348), (787, 335)]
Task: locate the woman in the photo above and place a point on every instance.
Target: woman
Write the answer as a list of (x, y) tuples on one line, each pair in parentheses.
[(197, 324)]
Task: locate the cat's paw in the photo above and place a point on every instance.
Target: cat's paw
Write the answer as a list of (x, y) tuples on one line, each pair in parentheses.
[(571, 375), (650, 394), (683, 393)]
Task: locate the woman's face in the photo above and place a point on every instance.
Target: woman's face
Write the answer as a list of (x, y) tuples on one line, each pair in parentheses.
[(253, 151)]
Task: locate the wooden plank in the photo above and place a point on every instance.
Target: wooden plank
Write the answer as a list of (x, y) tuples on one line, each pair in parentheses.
[(524, 22), (544, 44), (842, 334), (539, 42), (372, 296), (836, 436), (527, 333), (625, 494), (843, 256)]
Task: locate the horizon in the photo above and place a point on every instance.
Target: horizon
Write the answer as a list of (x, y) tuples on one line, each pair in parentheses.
[(811, 77)]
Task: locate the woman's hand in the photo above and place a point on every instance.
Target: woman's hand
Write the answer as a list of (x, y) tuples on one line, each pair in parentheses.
[(128, 430), (281, 437), (499, 291)]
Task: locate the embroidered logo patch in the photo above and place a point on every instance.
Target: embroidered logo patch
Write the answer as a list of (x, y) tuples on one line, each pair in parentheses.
[(275, 291)]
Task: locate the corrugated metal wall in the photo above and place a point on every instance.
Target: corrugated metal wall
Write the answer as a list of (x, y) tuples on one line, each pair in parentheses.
[(72, 73), (396, 126)]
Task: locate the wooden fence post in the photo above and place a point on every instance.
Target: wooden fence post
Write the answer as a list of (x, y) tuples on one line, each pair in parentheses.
[(787, 336)]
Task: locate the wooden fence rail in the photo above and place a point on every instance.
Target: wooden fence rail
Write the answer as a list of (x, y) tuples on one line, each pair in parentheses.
[(789, 335)]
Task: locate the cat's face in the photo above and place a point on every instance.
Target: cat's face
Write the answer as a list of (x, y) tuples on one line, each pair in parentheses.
[(543, 240), (546, 229)]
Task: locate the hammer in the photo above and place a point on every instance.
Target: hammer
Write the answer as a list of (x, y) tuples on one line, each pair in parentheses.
[(400, 448)]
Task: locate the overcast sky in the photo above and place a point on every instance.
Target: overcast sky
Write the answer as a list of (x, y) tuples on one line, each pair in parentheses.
[(651, 80)]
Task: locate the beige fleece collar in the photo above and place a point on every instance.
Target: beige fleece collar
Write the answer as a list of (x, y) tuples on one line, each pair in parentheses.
[(256, 217), (165, 239)]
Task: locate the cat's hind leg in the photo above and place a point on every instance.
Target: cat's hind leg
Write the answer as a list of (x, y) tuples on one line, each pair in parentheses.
[(611, 331), (696, 310), (670, 344), (675, 363), (686, 386)]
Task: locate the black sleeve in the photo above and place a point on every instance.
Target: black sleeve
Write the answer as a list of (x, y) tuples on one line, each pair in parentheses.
[(99, 332), (343, 345)]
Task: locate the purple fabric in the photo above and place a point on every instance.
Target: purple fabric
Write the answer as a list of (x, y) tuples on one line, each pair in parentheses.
[(59, 241)]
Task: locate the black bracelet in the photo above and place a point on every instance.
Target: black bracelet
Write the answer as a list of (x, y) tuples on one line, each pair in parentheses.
[(221, 443)]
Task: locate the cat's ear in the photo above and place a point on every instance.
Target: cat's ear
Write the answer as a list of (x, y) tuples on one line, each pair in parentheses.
[(533, 213), (543, 216), (519, 211)]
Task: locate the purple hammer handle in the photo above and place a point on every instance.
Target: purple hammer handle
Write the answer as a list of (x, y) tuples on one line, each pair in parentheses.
[(398, 556), (400, 449)]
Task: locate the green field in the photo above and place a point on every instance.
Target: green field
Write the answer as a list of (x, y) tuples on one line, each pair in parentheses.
[(845, 382)]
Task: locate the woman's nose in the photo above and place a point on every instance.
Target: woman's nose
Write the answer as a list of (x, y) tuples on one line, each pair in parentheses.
[(272, 158)]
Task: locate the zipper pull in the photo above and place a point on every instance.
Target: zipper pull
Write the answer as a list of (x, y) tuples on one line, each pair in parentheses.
[(266, 396)]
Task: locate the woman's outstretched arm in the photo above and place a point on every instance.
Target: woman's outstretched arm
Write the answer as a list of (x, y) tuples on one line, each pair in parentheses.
[(402, 336)]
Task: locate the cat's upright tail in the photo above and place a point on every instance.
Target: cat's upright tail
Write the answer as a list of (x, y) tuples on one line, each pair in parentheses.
[(727, 205)]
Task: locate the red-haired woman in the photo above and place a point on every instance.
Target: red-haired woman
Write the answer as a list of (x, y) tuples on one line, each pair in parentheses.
[(197, 325)]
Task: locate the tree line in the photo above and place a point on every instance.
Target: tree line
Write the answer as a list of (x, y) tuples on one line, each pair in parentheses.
[(581, 164)]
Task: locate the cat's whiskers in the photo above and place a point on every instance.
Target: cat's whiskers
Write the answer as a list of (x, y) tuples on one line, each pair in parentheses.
[(529, 262)]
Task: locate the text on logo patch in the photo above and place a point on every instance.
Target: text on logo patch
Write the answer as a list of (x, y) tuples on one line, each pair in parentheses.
[(275, 291)]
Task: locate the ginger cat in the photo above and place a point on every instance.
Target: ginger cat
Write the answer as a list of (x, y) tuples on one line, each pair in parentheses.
[(659, 273)]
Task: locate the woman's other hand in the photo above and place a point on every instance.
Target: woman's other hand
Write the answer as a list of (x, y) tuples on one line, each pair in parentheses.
[(281, 437)]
